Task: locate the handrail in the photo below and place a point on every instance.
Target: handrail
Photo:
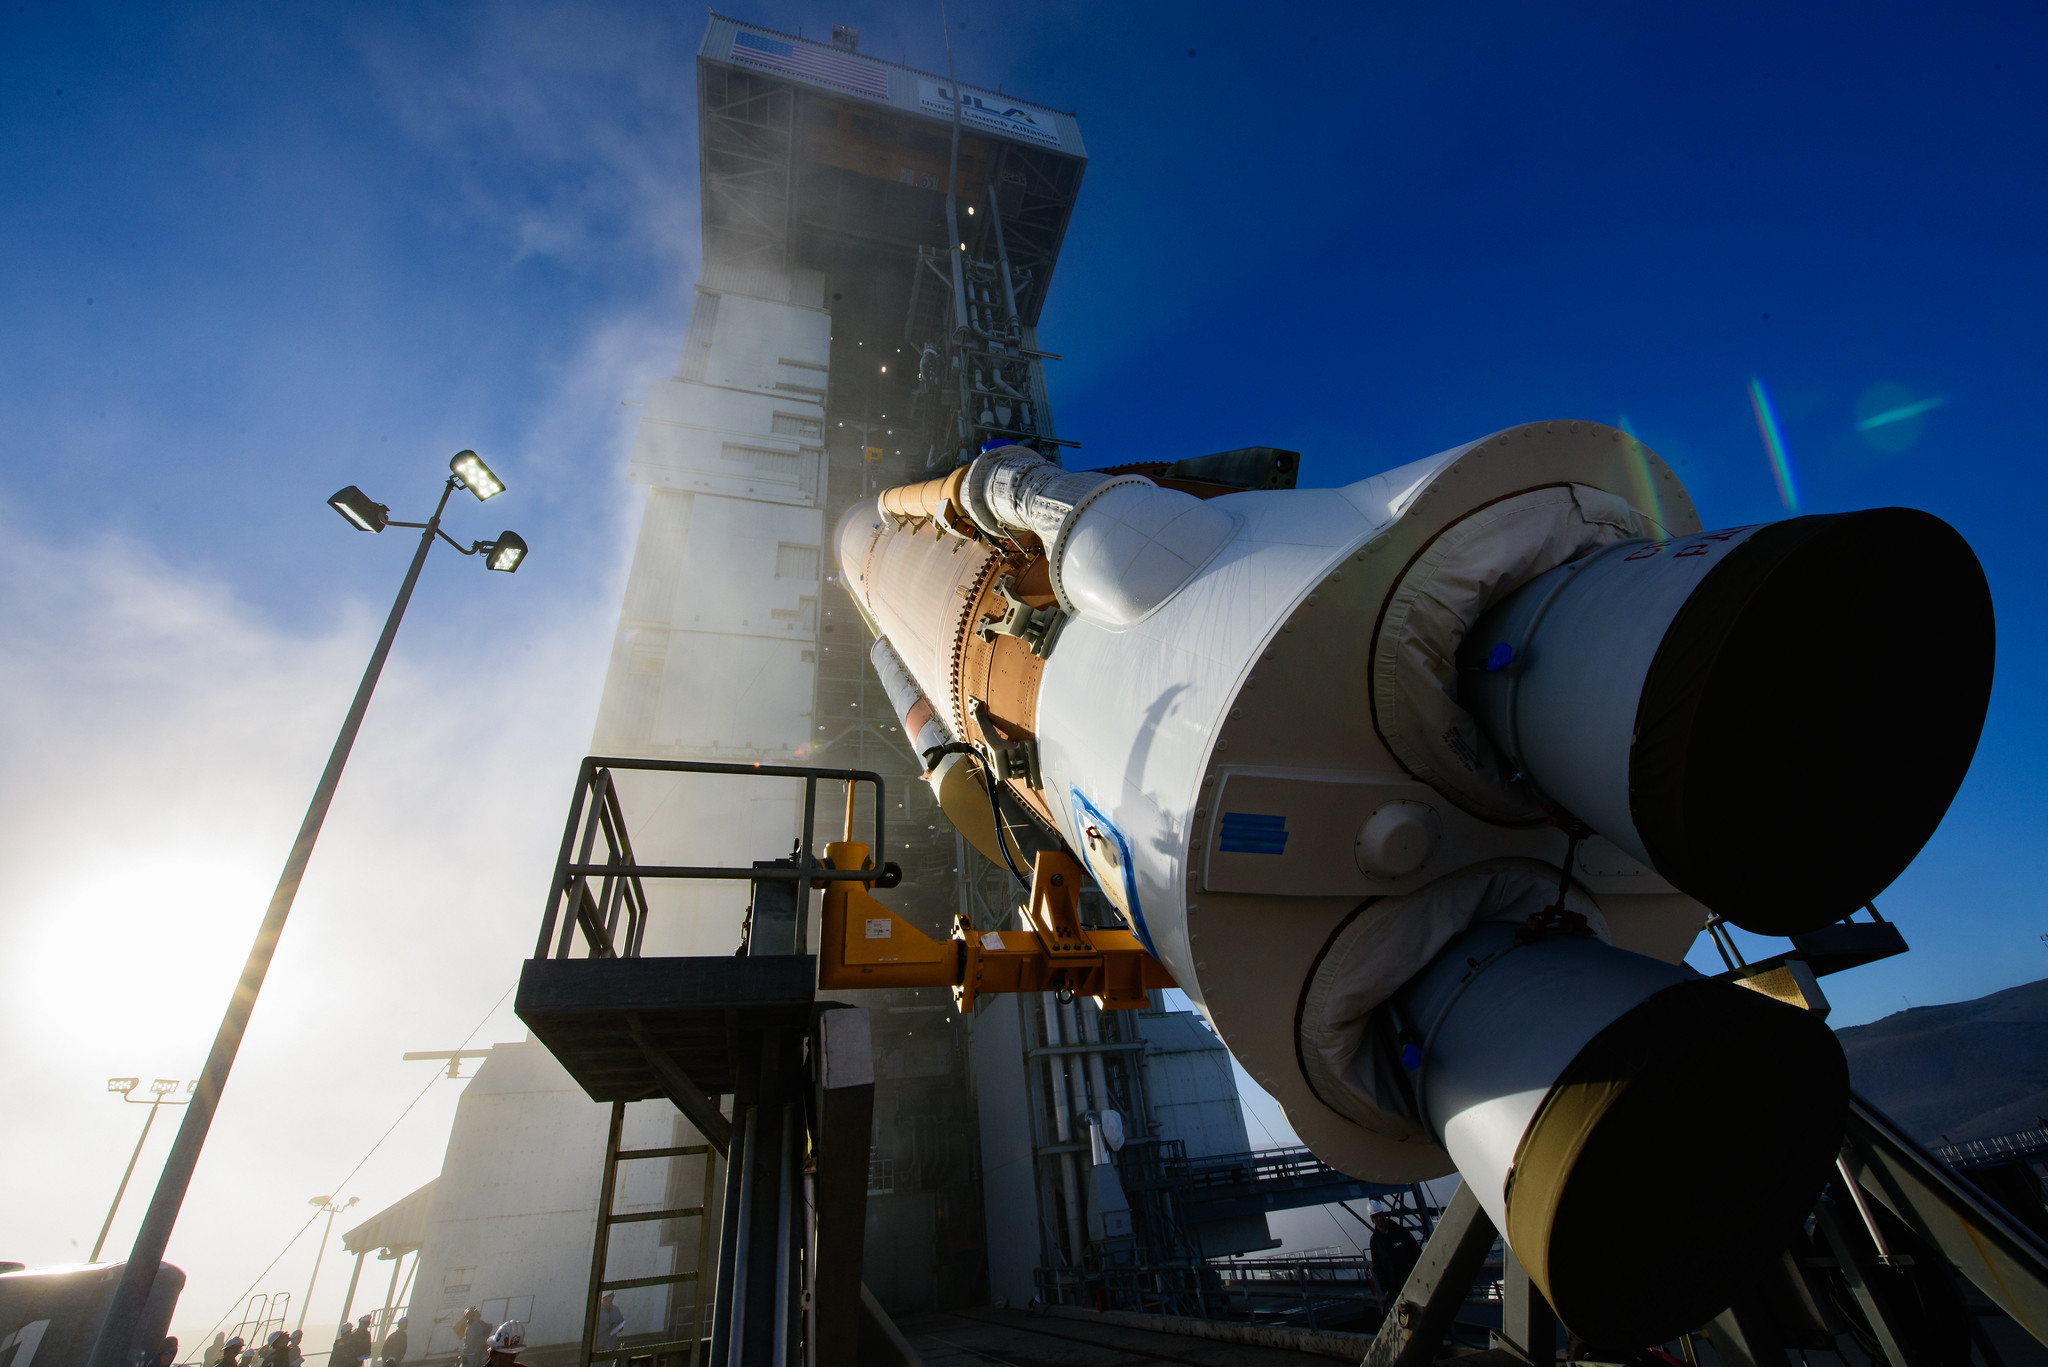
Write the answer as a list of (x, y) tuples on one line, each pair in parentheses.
[(2017, 1147), (596, 808), (2007, 1261)]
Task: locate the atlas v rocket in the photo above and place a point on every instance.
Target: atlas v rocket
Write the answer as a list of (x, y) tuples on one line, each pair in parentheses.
[(1422, 787)]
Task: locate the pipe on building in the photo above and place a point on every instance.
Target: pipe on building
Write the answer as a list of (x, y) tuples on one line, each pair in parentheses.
[(735, 1348), (1063, 1128), (784, 1228), (1091, 1032), (1076, 1075), (995, 218)]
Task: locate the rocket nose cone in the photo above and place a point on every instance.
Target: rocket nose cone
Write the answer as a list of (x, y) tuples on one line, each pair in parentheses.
[(852, 540)]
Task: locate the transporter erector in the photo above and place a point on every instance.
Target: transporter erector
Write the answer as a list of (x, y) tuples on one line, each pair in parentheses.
[(1422, 787)]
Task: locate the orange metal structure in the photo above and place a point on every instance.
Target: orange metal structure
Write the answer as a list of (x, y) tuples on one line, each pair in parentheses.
[(864, 944)]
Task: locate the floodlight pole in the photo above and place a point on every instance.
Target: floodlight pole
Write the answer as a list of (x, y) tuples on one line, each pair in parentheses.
[(122, 1190), (115, 1346), (326, 1237)]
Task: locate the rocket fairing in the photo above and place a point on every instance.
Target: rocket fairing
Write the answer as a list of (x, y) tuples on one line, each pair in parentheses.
[(1314, 746)]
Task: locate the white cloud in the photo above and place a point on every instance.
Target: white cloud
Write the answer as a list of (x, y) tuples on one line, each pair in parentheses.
[(572, 124), (160, 736), (156, 753)]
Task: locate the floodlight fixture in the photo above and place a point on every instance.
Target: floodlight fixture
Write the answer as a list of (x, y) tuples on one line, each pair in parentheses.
[(161, 1090), (327, 1207), (362, 512), (506, 552), (476, 476)]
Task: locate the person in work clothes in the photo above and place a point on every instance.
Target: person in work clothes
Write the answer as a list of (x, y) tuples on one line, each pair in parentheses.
[(472, 1333), (1394, 1255)]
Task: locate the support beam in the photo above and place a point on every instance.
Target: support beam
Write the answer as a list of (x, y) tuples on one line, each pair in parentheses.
[(1855, 1257), (1745, 1335), (881, 1343), (1527, 1322), (348, 1301), (1422, 1314), (700, 1110), (844, 1061)]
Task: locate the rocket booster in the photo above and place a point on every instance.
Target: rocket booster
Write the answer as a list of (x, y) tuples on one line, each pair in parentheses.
[(1328, 752)]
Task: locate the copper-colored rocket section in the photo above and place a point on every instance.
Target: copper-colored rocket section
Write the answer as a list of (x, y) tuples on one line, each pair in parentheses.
[(934, 500)]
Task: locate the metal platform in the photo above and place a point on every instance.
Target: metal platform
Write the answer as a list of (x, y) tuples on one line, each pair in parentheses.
[(1227, 1185), (599, 1017), (799, 1072)]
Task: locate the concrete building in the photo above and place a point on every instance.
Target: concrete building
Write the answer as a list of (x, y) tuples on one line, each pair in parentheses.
[(510, 1224)]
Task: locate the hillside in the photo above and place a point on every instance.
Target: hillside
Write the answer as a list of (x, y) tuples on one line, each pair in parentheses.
[(1966, 1070)]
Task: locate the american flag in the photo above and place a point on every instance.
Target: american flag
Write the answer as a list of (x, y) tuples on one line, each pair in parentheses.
[(844, 71)]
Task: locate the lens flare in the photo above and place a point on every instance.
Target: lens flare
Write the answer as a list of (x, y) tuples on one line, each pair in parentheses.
[(1890, 417), (1899, 414), (1774, 444), (1643, 478)]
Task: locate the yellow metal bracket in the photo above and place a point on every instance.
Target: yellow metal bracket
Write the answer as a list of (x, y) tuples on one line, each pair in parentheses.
[(864, 944)]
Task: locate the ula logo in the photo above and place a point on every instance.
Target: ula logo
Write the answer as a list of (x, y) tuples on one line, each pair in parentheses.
[(975, 102)]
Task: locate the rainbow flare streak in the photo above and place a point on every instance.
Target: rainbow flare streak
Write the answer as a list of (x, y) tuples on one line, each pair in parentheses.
[(1903, 414), (1648, 500), (1774, 443)]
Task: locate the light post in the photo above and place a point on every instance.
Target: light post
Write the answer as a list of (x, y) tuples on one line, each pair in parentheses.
[(161, 1092), (325, 1203), (115, 1346)]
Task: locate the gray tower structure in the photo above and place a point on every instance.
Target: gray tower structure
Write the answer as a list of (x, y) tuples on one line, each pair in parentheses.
[(828, 354), (844, 337)]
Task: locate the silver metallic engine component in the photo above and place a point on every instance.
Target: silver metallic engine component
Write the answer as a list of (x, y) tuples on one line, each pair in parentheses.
[(1471, 565), (923, 727), (1011, 491), (1117, 545)]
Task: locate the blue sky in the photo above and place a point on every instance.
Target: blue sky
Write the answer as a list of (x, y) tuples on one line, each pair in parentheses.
[(251, 253)]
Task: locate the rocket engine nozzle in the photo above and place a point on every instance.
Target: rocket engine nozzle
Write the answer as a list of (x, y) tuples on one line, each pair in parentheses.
[(1600, 1103), (1775, 718)]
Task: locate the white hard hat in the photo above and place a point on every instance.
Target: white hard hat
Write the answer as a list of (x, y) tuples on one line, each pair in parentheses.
[(511, 1334)]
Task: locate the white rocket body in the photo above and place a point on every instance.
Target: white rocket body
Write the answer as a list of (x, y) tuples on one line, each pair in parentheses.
[(1249, 725)]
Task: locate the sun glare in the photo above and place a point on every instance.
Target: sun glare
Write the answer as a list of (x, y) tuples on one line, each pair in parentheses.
[(155, 939)]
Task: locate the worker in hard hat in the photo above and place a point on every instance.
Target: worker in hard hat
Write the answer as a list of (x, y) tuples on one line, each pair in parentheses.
[(503, 1346)]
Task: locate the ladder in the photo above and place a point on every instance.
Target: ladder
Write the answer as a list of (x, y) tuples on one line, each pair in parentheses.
[(601, 1248)]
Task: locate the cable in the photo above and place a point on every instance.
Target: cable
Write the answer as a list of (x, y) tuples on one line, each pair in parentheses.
[(995, 809), (244, 1297)]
